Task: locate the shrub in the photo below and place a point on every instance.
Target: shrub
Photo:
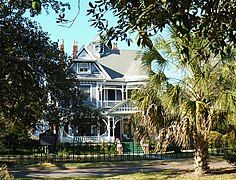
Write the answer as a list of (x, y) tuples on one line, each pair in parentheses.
[(229, 142), (215, 139), (4, 174)]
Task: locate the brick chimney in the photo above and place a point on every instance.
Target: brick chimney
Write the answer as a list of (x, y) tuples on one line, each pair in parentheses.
[(62, 47), (62, 53), (114, 46), (75, 50)]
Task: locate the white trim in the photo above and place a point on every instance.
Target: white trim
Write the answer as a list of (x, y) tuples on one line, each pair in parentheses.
[(97, 95), (89, 53), (96, 62), (103, 70)]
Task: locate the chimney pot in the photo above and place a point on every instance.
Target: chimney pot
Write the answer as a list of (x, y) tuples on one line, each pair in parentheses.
[(114, 46), (62, 47), (75, 50)]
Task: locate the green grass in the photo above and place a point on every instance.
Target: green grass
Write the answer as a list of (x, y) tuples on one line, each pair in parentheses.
[(174, 173), (47, 165)]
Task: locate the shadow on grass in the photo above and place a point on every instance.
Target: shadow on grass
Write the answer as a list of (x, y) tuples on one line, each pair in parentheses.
[(221, 171)]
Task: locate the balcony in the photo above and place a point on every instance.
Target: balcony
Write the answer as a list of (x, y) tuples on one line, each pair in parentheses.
[(108, 103)]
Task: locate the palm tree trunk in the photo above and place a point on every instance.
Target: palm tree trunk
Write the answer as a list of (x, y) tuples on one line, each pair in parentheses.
[(201, 142), (201, 157)]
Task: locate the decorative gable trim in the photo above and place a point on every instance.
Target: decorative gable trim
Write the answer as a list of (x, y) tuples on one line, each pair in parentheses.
[(103, 70), (91, 56)]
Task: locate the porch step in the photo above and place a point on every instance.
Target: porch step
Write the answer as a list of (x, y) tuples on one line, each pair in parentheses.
[(132, 148)]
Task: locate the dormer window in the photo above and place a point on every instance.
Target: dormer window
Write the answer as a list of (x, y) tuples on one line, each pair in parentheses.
[(98, 48), (83, 67)]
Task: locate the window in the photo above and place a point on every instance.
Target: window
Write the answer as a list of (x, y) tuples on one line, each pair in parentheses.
[(86, 89), (111, 94), (83, 67), (96, 48), (118, 95)]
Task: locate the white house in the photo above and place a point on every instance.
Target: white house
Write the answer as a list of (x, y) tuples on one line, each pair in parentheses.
[(107, 76)]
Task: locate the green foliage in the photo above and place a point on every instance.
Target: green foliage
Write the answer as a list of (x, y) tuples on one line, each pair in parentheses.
[(27, 59), (63, 153), (215, 139), (193, 105), (229, 145), (230, 156), (229, 140), (213, 21), (36, 5), (108, 148)]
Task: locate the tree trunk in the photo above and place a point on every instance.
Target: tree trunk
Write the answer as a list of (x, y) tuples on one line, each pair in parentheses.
[(201, 157), (201, 142)]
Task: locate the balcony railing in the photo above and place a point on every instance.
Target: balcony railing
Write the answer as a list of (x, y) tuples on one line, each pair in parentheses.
[(108, 104)]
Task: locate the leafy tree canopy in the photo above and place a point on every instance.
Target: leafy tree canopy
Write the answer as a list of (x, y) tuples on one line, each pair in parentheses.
[(35, 81), (186, 111), (27, 59), (212, 20), (35, 6)]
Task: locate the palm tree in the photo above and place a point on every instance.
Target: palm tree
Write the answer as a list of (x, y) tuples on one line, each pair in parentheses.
[(184, 111)]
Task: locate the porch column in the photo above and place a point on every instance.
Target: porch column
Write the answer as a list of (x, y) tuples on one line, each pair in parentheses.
[(97, 95), (121, 129), (98, 129), (113, 128), (122, 93), (101, 95), (108, 128), (70, 130)]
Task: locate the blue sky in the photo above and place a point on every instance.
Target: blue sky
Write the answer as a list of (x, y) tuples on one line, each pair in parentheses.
[(81, 30)]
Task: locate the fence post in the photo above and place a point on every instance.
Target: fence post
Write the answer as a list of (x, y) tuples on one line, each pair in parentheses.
[(133, 149), (73, 155)]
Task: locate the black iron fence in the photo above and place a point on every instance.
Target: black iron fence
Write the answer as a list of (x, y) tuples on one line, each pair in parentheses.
[(81, 152), (33, 152)]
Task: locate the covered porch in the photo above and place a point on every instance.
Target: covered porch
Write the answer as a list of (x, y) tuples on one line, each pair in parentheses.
[(114, 125)]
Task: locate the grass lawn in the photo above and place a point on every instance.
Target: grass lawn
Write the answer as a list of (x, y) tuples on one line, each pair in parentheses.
[(131, 170)]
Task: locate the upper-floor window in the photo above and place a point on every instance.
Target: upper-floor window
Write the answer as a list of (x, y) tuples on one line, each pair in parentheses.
[(86, 90), (83, 67), (98, 48), (112, 95)]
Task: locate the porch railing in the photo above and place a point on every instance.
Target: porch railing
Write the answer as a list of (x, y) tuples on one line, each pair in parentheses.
[(108, 104), (83, 139)]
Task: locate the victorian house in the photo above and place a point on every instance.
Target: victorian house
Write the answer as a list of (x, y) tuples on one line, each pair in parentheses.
[(107, 76)]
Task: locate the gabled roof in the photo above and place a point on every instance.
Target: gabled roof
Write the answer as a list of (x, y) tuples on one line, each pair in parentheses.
[(119, 63), (116, 64), (136, 71), (85, 55)]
